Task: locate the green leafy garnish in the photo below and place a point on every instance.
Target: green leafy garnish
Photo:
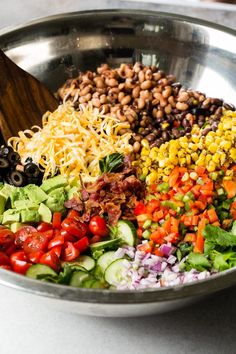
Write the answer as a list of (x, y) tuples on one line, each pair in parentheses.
[(219, 237), (197, 261), (111, 163)]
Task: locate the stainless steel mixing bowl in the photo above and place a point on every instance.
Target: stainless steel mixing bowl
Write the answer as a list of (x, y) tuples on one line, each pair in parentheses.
[(200, 54)]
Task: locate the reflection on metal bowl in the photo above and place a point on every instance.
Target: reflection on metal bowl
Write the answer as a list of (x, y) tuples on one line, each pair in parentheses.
[(201, 55)]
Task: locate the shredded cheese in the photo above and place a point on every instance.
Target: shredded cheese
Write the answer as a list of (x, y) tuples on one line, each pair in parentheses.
[(72, 141)]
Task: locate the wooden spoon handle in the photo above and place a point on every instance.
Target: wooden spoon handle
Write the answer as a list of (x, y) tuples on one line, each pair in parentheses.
[(23, 99)]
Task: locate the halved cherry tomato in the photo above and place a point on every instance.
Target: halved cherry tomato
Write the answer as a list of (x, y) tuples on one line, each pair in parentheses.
[(44, 226), (22, 234), (51, 259), (95, 238), (98, 226), (56, 220), (74, 227), (6, 238), (57, 250), (4, 259), (49, 234), (73, 214), (11, 249), (36, 242), (67, 236), (82, 245), (34, 257), (19, 262), (56, 241), (69, 252)]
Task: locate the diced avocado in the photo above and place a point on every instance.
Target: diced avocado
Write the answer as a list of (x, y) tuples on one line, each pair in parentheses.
[(25, 204), (35, 193), (10, 216), (74, 182), (45, 213), (54, 183), (1, 218), (6, 190), (17, 194), (71, 192), (15, 226), (29, 216), (2, 204), (56, 200), (1, 185)]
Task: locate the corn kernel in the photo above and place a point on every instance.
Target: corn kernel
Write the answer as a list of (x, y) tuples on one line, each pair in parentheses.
[(233, 154), (194, 156), (216, 158), (222, 159), (165, 178), (182, 161), (226, 145), (152, 177), (213, 147), (148, 162), (188, 159), (145, 171), (145, 143), (211, 167), (144, 152), (208, 158)]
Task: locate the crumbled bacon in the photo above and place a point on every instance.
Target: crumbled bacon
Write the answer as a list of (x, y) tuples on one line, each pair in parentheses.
[(113, 194)]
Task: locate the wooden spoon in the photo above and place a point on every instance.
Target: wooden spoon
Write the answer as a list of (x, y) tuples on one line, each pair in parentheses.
[(23, 99)]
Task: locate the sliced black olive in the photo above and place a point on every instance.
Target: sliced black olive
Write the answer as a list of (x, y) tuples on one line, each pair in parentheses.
[(13, 157), (5, 150), (31, 170), (28, 160), (4, 164), (17, 178)]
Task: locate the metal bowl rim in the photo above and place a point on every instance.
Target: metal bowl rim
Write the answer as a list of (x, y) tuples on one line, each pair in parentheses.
[(63, 292)]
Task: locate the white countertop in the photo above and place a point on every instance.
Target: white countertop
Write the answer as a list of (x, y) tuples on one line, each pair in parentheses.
[(30, 325)]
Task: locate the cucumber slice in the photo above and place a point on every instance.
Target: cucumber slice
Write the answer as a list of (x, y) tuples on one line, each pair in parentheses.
[(105, 260), (97, 285), (39, 269), (126, 231), (116, 271), (89, 283), (98, 246), (78, 278), (84, 261)]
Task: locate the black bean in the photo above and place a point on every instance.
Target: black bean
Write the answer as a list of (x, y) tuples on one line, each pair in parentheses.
[(206, 131), (165, 135), (214, 126), (198, 111), (217, 101), (150, 137), (176, 84), (176, 133), (188, 129), (185, 123), (229, 106)]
